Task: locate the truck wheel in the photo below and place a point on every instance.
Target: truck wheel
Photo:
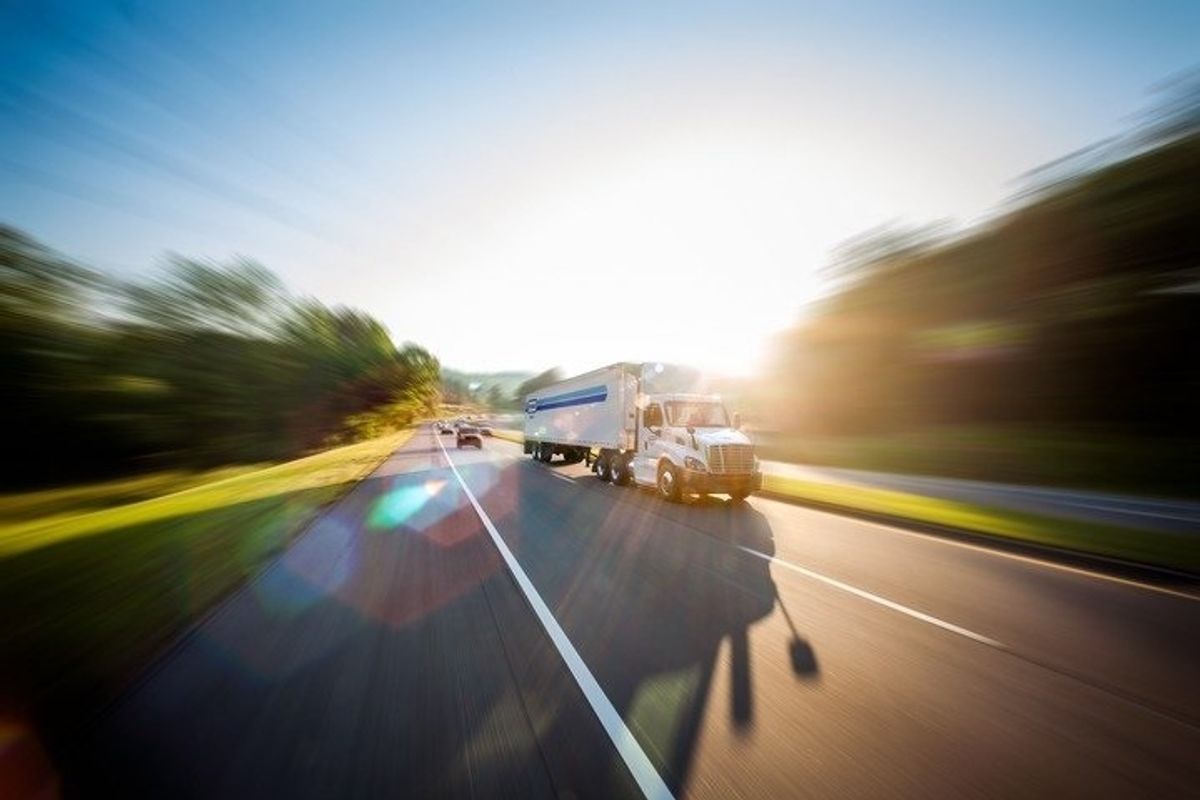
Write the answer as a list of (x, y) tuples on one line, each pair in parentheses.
[(546, 453), (604, 468), (619, 467), (739, 496), (668, 483)]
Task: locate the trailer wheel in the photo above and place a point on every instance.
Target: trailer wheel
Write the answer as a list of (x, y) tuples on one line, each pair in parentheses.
[(668, 483), (619, 469), (604, 468), (547, 453)]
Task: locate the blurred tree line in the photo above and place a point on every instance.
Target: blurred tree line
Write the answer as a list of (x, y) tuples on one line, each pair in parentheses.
[(495, 391), (1078, 305), (542, 379), (207, 364)]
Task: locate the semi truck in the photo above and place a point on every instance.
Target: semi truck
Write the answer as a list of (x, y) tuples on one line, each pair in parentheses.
[(676, 442)]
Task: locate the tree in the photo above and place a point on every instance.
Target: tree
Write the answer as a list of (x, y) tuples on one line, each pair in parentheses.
[(205, 363), (495, 398), (552, 375)]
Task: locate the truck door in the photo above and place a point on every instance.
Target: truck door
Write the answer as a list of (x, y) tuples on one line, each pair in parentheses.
[(645, 463)]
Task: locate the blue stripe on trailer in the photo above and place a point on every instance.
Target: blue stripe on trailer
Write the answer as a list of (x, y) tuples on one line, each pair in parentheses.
[(579, 397), (554, 398), (576, 401)]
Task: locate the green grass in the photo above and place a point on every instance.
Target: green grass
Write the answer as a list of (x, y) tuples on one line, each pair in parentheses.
[(74, 500), (96, 585), (1178, 551)]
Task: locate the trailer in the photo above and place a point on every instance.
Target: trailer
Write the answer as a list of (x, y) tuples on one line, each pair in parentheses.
[(596, 410), (676, 442)]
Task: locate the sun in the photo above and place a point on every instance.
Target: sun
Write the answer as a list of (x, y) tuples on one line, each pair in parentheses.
[(692, 252)]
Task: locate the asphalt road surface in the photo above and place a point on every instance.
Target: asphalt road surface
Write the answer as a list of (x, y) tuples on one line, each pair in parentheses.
[(503, 628)]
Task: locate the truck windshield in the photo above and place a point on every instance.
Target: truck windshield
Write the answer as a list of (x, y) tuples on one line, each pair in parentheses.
[(697, 414)]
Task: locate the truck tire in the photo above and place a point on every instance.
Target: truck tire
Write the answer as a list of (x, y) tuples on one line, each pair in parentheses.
[(739, 496), (545, 452), (619, 469), (604, 468), (668, 483)]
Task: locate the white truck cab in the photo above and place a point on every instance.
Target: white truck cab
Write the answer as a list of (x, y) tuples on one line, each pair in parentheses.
[(687, 443), (678, 443)]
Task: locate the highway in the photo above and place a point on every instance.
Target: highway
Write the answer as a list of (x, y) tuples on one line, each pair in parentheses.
[(475, 624)]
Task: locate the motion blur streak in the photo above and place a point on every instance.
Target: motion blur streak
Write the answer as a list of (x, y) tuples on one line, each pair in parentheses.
[(207, 364), (1044, 346), (939, 261)]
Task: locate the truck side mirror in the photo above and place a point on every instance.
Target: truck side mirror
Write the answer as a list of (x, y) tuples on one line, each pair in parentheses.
[(737, 420)]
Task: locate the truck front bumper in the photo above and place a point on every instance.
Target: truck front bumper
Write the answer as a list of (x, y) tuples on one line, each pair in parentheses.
[(706, 483)]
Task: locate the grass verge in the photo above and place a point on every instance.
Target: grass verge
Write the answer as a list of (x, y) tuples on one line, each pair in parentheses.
[(1176, 551), (88, 595)]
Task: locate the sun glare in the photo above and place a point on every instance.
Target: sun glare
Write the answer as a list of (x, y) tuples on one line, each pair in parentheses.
[(692, 253)]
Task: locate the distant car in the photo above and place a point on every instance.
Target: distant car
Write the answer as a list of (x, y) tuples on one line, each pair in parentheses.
[(485, 429), (443, 427), (468, 436)]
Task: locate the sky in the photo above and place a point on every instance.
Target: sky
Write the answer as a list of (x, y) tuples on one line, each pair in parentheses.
[(521, 185)]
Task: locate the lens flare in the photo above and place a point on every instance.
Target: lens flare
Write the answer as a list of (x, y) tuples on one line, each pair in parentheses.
[(312, 569), (402, 504)]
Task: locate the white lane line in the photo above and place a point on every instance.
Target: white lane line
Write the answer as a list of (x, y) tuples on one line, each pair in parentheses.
[(874, 598), (562, 477), (992, 551), (643, 771)]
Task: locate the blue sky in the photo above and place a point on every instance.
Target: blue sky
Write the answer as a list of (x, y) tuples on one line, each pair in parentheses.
[(560, 168)]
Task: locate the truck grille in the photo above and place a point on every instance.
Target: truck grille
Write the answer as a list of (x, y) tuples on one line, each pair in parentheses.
[(731, 459)]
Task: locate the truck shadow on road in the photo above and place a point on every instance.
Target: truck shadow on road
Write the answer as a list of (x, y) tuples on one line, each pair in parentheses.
[(662, 605)]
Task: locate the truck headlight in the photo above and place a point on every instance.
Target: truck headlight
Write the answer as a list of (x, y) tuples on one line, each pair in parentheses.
[(694, 464)]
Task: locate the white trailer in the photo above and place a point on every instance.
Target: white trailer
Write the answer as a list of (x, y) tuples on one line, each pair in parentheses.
[(595, 410), (679, 443)]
